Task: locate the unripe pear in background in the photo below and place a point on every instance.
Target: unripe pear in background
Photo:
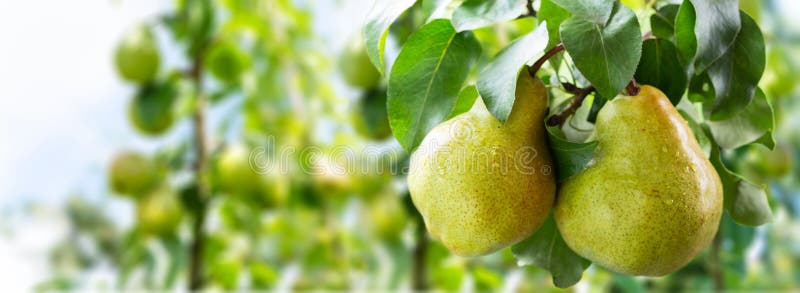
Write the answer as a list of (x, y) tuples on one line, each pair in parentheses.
[(137, 56), (370, 117), (132, 174), (649, 200), (482, 185), (236, 172), (761, 164), (227, 62), (355, 66), (151, 109), (159, 212), (387, 218)]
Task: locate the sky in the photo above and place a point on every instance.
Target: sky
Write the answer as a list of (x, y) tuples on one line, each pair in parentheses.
[(63, 110)]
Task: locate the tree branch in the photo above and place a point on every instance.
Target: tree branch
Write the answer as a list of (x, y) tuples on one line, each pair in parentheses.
[(196, 278), (574, 104), (547, 55)]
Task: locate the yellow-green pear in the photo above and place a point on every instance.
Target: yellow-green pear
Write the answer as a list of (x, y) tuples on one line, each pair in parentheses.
[(133, 174), (480, 184), (355, 66), (151, 109), (160, 212), (251, 174), (649, 200), (136, 55)]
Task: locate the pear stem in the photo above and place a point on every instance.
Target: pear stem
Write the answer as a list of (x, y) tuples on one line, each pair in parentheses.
[(574, 104), (632, 88), (547, 55)]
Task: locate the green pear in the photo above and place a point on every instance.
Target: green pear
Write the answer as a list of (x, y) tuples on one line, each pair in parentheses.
[(136, 56), (355, 66), (649, 200), (226, 62), (480, 184), (160, 212), (132, 174), (370, 118), (151, 109), (387, 217), (237, 172)]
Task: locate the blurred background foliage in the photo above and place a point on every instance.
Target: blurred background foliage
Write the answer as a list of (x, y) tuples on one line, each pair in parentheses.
[(304, 223)]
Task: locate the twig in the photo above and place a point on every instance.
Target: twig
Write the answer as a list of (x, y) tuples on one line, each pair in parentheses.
[(531, 11), (574, 104), (547, 55)]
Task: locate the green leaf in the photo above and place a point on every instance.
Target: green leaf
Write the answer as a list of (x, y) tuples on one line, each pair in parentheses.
[(426, 79), (755, 121), (497, 82), (554, 15), (176, 253), (607, 55), (546, 249), (685, 37), (433, 9), (736, 73), (740, 237), (597, 103), (480, 13), (719, 23), (570, 157), (700, 89), (746, 202), (594, 11), (662, 22), (382, 15), (466, 98), (660, 68)]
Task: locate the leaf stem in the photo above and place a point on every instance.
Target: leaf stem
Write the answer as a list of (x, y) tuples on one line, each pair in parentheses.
[(547, 55), (574, 104)]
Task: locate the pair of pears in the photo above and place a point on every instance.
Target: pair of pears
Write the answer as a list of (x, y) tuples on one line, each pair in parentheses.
[(646, 204)]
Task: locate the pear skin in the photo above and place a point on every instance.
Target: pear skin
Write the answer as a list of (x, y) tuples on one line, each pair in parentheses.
[(649, 200), (482, 185)]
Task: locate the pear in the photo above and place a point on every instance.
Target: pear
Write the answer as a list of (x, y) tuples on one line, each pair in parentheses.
[(243, 172), (649, 200), (160, 212), (480, 184), (355, 66), (136, 55), (133, 174)]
